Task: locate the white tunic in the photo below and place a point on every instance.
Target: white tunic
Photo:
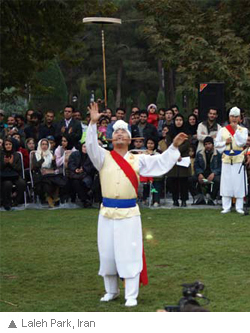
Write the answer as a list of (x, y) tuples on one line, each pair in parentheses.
[(232, 182), (120, 240)]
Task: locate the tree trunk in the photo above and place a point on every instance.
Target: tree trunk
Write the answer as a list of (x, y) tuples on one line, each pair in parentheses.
[(161, 76), (119, 85), (171, 87)]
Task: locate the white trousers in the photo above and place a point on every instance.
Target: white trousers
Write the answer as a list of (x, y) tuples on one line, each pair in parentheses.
[(131, 286), (227, 203)]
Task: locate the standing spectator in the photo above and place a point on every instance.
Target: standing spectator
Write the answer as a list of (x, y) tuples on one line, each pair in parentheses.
[(178, 176), (28, 117), (2, 124), (69, 126), (146, 130), (244, 121), (152, 115), (175, 109), (161, 116), (1, 144), (11, 127), (196, 112), (208, 127), (165, 141), (20, 121), (208, 167), (32, 131), (103, 124), (11, 174), (192, 125), (49, 127)]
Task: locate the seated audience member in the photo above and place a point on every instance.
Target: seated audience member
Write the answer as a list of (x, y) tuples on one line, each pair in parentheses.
[(52, 142), (196, 112), (66, 145), (11, 174), (208, 168), (192, 125), (1, 144), (30, 144), (152, 115), (175, 109), (2, 124), (178, 175), (81, 175), (46, 180), (23, 151)]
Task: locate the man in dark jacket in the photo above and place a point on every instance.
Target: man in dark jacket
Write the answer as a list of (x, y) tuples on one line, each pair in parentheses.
[(207, 167), (147, 130), (49, 127), (69, 126)]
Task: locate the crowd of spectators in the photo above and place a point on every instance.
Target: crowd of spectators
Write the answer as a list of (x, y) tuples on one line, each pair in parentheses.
[(46, 161)]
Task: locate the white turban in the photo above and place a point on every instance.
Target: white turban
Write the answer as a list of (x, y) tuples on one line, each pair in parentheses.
[(120, 124), (234, 111)]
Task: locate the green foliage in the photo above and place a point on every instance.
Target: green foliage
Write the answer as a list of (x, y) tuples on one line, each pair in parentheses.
[(200, 44), (142, 100), (160, 101), (98, 94), (13, 104), (53, 94), (111, 99), (83, 100), (34, 31)]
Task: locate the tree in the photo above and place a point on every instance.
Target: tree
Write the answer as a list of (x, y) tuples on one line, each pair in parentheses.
[(34, 31), (53, 90), (198, 44), (160, 101), (111, 99), (142, 100), (84, 96)]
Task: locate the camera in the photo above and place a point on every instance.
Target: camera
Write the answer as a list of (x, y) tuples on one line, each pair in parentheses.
[(188, 303)]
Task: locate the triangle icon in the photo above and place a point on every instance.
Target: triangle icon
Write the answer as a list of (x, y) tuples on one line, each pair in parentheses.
[(12, 324)]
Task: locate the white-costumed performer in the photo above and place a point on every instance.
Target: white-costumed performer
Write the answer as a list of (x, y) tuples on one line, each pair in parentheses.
[(120, 243), (230, 141)]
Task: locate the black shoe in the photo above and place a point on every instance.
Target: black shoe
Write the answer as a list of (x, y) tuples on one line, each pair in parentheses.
[(176, 203), (183, 204)]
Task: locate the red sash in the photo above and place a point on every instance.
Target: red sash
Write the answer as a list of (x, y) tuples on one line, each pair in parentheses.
[(130, 173), (230, 130), (127, 169)]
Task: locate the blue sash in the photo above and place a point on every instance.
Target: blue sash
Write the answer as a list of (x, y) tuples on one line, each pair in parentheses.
[(236, 152), (119, 203)]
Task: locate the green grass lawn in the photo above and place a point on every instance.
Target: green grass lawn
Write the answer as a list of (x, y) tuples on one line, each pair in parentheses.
[(49, 260)]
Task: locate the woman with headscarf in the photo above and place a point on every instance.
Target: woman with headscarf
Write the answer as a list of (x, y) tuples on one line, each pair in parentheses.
[(81, 174), (46, 178), (192, 124), (11, 174), (178, 176)]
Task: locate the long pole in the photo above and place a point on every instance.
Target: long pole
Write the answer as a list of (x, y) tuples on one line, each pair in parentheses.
[(104, 69)]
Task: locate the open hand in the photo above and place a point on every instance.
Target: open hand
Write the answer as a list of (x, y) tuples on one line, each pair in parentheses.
[(179, 139), (94, 113)]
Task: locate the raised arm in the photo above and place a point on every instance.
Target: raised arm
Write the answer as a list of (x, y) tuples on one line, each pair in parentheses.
[(95, 152), (158, 165)]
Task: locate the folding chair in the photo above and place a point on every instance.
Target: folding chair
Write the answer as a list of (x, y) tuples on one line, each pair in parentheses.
[(23, 176)]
